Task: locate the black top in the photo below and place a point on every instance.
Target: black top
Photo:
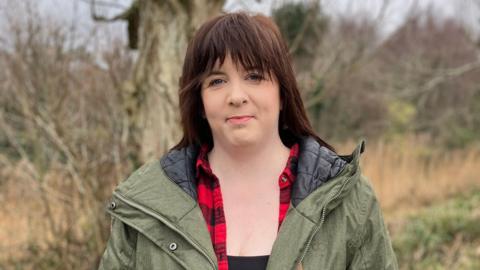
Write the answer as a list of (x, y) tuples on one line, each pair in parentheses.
[(247, 262)]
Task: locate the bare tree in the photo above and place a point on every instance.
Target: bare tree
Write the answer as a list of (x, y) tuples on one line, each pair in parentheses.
[(160, 30), (61, 133)]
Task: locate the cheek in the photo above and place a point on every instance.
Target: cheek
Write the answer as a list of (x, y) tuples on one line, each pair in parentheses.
[(272, 101), (211, 106)]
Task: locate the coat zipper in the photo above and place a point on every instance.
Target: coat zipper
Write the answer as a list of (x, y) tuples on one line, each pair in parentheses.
[(168, 224), (322, 220)]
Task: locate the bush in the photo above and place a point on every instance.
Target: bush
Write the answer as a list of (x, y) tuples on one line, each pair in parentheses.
[(441, 237)]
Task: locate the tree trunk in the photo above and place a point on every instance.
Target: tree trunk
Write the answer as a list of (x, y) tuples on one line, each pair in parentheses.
[(152, 103)]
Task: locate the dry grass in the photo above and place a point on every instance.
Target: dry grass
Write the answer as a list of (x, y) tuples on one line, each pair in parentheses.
[(410, 173), (38, 218)]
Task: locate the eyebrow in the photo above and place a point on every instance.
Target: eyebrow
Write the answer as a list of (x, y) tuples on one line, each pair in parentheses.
[(219, 72), (215, 72)]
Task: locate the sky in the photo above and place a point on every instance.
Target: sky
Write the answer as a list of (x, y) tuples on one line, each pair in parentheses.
[(77, 12)]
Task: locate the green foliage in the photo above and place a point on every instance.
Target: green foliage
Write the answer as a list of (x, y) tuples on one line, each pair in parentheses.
[(315, 97), (441, 236), (461, 131), (460, 136), (401, 116), (292, 18)]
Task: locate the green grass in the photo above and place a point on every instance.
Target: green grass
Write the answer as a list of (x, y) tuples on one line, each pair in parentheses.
[(445, 236)]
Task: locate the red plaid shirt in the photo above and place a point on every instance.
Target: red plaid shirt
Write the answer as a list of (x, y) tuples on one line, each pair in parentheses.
[(211, 202)]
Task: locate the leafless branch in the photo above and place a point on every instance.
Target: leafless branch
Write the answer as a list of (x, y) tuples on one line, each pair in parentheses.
[(10, 136), (121, 16), (106, 4), (312, 12), (441, 77), (383, 11), (49, 129), (448, 74), (176, 6)]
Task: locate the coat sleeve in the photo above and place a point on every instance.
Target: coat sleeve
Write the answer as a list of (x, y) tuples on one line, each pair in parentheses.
[(375, 249), (120, 250)]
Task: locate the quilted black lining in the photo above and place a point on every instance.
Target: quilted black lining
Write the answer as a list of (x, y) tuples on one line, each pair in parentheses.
[(316, 165)]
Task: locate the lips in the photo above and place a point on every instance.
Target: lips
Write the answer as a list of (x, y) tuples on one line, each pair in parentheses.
[(239, 119)]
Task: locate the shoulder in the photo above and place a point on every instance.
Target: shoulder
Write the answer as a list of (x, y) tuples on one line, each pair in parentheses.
[(361, 198), (361, 195), (363, 210), (175, 164), (174, 170), (359, 202), (142, 176)]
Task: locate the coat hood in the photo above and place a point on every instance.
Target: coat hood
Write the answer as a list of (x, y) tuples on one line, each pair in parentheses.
[(315, 166)]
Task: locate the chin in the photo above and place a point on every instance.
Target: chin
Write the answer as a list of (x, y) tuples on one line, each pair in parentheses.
[(244, 140)]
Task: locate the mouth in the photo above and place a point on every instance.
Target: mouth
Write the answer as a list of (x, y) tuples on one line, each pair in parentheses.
[(239, 119)]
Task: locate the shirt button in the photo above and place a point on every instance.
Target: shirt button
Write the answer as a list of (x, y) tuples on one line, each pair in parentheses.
[(172, 246), (112, 205), (284, 178)]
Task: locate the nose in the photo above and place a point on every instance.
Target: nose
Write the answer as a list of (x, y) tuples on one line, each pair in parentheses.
[(237, 95)]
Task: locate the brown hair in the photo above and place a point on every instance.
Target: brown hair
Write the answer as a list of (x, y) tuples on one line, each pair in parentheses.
[(253, 42)]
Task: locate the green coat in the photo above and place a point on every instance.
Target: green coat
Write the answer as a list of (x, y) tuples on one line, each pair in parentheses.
[(333, 222)]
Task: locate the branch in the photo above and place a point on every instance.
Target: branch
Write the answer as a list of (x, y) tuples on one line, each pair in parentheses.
[(42, 186), (176, 6), (12, 138), (121, 16), (106, 4), (50, 130), (451, 73), (444, 75), (298, 39), (382, 13)]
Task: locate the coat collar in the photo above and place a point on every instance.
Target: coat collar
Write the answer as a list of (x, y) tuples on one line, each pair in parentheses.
[(316, 166)]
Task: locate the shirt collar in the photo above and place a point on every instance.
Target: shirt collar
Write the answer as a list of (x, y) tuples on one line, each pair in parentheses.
[(289, 172), (202, 164)]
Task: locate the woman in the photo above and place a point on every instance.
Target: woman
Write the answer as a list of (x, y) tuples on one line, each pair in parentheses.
[(250, 185)]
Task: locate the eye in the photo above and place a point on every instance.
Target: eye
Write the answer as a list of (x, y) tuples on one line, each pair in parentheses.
[(215, 82), (255, 76)]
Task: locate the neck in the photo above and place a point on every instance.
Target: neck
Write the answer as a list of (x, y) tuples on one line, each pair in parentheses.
[(249, 162)]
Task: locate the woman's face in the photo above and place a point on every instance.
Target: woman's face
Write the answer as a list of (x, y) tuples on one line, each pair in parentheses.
[(241, 106)]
